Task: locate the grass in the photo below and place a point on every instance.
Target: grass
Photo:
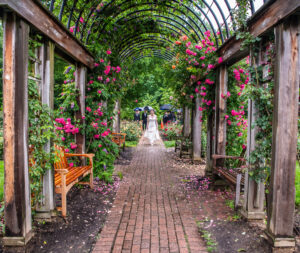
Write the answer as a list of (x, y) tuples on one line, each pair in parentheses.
[(297, 185), (169, 144), (131, 144), (211, 243), (1, 179)]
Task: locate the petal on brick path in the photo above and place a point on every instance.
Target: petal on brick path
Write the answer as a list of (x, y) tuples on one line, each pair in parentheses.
[(148, 215)]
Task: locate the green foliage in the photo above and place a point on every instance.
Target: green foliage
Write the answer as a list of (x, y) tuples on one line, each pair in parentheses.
[(169, 144), (211, 243), (297, 185), (262, 93), (131, 144), (1, 180)]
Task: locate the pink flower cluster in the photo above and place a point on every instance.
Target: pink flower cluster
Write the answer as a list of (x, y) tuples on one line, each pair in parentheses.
[(67, 127)]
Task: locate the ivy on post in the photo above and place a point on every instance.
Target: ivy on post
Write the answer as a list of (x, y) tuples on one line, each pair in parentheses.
[(254, 193), (17, 209), (80, 79), (284, 144), (197, 129), (220, 111), (46, 57)]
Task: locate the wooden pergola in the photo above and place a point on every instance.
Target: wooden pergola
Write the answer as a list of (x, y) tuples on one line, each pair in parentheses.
[(278, 16)]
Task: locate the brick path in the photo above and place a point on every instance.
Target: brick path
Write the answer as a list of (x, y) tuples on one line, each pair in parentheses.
[(148, 215)]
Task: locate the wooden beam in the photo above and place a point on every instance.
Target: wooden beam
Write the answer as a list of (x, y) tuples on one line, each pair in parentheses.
[(187, 121), (17, 209), (220, 111), (197, 129), (209, 145), (80, 80), (285, 130), (35, 14), (47, 94), (117, 118), (260, 23)]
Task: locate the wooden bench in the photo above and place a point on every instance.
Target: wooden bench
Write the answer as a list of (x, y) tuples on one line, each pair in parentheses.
[(178, 140), (65, 176), (235, 176), (119, 139), (186, 147)]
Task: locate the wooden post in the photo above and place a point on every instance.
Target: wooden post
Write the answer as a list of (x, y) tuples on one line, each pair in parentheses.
[(17, 209), (45, 68), (254, 193), (197, 129), (284, 144), (80, 79), (209, 145), (187, 122), (220, 111), (117, 118)]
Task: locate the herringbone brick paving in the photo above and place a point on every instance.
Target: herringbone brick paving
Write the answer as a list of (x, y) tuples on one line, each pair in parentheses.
[(147, 215)]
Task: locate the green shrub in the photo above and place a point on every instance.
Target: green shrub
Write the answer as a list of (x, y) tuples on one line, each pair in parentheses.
[(297, 184)]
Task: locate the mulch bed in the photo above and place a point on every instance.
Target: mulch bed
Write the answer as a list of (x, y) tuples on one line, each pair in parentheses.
[(87, 212), (236, 236), (230, 233)]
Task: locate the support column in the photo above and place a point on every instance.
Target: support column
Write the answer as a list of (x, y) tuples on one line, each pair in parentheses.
[(220, 128), (187, 122), (284, 144), (17, 209), (254, 193), (197, 129), (209, 145), (80, 79), (117, 118), (46, 58)]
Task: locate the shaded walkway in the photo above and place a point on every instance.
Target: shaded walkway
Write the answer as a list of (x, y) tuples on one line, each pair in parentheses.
[(148, 215)]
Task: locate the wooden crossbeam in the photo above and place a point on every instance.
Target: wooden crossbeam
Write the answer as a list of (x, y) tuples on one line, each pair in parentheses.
[(266, 18), (39, 17)]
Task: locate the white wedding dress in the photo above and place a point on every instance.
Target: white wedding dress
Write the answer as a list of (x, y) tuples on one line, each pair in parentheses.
[(152, 132)]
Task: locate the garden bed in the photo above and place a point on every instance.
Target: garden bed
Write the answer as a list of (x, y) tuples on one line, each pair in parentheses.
[(87, 212)]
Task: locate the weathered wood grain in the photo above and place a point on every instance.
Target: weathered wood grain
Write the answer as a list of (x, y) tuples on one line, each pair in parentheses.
[(80, 80), (35, 14), (220, 111), (285, 117), (260, 23), (17, 210), (197, 129)]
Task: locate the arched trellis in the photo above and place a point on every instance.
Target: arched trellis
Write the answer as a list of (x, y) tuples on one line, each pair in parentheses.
[(130, 39), (173, 20), (286, 25), (140, 49), (216, 13), (164, 43), (164, 57), (141, 46)]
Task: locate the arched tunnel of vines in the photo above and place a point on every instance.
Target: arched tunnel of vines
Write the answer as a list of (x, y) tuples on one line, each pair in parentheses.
[(150, 126)]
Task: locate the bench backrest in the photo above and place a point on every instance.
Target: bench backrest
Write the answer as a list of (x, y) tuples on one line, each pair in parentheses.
[(60, 160)]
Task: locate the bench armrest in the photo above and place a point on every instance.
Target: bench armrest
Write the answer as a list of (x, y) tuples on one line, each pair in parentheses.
[(62, 171), (90, 156), (228, 157)]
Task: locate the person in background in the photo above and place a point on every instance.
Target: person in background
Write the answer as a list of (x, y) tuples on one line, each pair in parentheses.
[(137, 116), (144, 119), (166, 118)]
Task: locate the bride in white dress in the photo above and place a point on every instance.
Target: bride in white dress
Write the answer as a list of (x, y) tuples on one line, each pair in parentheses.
[(152, 133)]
